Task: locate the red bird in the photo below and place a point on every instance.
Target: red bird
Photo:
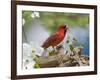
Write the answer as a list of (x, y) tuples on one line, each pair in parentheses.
[(56, 37)]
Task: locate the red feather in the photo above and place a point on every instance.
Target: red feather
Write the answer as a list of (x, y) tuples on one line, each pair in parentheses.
[(55, 38)]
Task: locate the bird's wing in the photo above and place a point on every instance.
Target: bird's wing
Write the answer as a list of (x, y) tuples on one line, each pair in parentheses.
[(54, 37)]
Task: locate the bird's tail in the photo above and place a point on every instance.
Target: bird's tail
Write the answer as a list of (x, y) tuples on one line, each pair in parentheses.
[(45, 45)]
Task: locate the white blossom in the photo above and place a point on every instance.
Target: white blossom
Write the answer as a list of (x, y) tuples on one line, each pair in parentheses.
[(23, 22), (37, 14), (29, 65), (33, 15), (36, 49), (29, 53), (27, 50)]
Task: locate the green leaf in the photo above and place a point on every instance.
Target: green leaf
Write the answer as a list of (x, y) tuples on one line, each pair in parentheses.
[(67, 41), (74, 39), (71, 47), (26, 15), (53, 52), (36, 65), (36, 58)]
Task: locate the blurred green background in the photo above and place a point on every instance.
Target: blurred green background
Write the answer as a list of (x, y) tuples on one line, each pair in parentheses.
[(52, 20)]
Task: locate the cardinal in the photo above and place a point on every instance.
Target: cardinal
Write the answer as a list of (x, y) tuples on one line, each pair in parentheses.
[(56, 38)]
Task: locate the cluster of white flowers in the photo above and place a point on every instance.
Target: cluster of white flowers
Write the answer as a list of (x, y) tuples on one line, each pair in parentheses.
[(29, 53), (35, 14)]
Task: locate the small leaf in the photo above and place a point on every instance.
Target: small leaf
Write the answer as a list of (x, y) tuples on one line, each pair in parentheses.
[(36, 66), (74, 39), (71, 47), (52, 53), (67, 41), (36, 58)]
